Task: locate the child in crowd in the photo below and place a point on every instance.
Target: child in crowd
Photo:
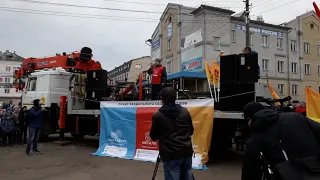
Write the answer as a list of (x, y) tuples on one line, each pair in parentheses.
[(7, 127)]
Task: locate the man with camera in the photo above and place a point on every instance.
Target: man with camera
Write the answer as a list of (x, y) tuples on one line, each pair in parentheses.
[(172, 126), (277, 141), (36, 121), (159, 78)]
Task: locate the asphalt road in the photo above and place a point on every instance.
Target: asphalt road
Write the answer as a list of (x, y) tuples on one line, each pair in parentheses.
[(74, 162)]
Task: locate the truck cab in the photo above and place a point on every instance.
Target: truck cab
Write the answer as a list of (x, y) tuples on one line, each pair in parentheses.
[(48, 86)]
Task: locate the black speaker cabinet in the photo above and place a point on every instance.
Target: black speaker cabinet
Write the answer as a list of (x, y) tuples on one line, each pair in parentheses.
[(228, 68), (248, 68), (97, 79), (98, 95), (234, 96)]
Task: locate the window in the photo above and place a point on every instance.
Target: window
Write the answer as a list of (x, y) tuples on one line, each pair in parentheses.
[(251, 39), (294, 68), (293, 45), (233, 36), (169, 44), (319, 50), (169, 65), (7, 91), (319, 89), (281, 88), (8, 69), (307, 69), (216, 43), (294, 90), (280, 43), (7, 80), (307, 47), (318, 70), (265, 64), (138, 66), (32, 84), (280, 66), (264, 41)]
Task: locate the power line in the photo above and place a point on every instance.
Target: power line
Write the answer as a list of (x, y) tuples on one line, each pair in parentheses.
[(92, 16), (278, 7), (90, 7), (72, 15)]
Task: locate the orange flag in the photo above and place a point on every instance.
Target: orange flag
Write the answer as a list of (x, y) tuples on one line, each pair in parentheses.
[(215, 71), (313, 104), (316, 8), (274, 94), (208, 72)]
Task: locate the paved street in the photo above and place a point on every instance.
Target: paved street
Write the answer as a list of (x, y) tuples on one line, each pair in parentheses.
[(74, 162)]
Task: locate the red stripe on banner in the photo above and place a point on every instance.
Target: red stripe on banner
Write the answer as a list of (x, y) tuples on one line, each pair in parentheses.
[(144, 122)]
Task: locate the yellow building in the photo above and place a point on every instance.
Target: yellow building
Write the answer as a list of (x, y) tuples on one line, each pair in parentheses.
[(305, 43)]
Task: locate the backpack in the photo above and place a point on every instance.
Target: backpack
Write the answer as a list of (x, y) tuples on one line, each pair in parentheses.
[(292, 168)]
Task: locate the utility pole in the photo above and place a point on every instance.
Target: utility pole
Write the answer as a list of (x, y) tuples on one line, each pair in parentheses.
[(247, 23)]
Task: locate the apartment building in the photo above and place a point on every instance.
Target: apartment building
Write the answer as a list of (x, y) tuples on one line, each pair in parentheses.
[(130, 71), (189, 35), (304, 41), (9, 62)]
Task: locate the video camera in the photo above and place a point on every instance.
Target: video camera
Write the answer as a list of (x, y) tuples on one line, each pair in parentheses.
[(284, 106)]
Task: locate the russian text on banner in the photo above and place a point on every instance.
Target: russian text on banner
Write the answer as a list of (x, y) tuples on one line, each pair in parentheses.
[(135, 142)]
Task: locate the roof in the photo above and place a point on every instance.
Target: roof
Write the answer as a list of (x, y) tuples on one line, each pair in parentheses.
[(211, 8), (261, 23)]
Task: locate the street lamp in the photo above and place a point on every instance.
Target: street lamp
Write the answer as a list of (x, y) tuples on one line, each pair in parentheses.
[(148, 41)]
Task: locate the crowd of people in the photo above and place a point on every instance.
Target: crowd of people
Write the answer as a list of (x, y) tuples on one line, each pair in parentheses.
[(13, 125)]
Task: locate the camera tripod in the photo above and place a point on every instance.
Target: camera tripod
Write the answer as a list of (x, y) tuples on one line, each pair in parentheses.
[(157, 166)]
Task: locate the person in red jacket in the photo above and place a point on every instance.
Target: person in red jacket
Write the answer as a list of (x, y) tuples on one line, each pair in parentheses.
[(299, 107), (158, 79)]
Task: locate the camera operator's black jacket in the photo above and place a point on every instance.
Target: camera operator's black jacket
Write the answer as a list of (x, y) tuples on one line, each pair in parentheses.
[(172, 126), (267, 127)]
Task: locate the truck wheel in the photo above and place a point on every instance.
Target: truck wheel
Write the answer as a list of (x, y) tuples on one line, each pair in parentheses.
[(77, 136)]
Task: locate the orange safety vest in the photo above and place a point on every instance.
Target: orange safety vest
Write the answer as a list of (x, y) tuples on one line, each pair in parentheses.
[(157, 75)]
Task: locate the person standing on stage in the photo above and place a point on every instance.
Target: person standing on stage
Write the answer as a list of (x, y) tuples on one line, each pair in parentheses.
[(158, 80)]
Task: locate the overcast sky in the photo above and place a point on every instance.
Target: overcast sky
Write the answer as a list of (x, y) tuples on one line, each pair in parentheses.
[(114, 39)]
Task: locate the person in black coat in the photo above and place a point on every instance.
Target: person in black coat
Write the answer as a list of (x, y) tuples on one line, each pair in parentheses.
[(23, 125), (299, 135)]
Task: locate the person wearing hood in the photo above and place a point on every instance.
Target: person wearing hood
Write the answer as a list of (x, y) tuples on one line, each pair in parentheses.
[(159, 78), (36, 120), (299, 140), (7, 127), (172, 126)]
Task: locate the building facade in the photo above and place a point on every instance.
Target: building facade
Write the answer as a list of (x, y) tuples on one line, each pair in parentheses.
[(189, 35), (305, 44), (130, 71), (9, 62)]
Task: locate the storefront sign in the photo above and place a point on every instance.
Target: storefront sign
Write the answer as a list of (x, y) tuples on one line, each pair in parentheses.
[(156, 44), (192, 65), (260, 31)]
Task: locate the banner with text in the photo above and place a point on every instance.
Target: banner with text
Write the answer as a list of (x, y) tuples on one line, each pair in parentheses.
[(125, 127)]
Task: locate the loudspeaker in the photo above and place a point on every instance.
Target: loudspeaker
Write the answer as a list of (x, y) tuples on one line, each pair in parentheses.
[(97, 79), (229, 68), (239, 68), (97, 95), (234, 96), (248, 67)]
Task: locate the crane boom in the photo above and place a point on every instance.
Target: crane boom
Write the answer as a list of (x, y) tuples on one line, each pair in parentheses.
[(74, 62)]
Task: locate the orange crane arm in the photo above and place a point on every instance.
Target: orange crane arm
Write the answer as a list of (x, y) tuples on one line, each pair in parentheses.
[(74, 62)]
